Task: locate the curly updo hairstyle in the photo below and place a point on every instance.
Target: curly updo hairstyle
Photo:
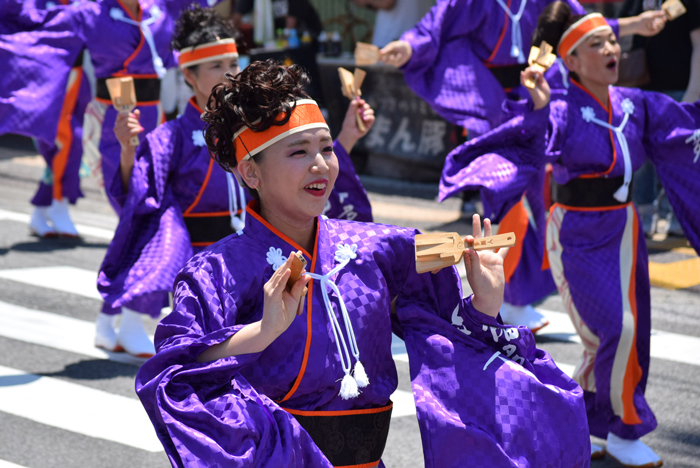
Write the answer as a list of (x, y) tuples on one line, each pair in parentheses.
[(197, 25), (554, 20), (254, 98)]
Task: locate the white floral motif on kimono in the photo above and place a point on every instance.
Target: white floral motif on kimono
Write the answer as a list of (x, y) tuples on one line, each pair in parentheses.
[(587, 113), (198, 138), (345, 253), (627, 106), (275, 258)]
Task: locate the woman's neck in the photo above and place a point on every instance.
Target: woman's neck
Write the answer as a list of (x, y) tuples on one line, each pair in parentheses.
[(600, 91), (301, 232)]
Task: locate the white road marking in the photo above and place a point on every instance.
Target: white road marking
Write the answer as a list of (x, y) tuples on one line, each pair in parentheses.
[(83, 229), (72, 407), (60, 278)]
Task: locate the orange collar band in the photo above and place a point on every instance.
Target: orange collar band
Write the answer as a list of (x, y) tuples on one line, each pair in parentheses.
[(190, 56), (305, 116), (580, 31)]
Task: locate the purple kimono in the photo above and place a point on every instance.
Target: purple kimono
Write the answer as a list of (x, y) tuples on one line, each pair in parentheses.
[(42, 45), (597, 249), (179, 202), (486, 397), (467, 55)]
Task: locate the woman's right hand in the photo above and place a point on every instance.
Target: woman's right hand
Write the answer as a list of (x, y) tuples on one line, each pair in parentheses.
[(540, 93), (280, 306), (127, 126), (396, 53)]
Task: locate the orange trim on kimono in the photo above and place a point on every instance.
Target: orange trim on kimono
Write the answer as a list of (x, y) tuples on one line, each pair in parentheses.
[(201, 189), (141, 41), (381, 409), (517, 221), (64, 133), (500, 38), (633, 371)]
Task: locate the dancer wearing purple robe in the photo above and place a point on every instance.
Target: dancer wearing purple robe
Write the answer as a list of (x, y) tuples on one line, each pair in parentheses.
[(123, 37), (172, 203), (464, 57), (596, 136), (250, 373)]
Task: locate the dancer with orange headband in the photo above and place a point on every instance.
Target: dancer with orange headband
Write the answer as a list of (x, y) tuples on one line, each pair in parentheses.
[(251, 372), (464, 58), (173, 194), (596, 136)]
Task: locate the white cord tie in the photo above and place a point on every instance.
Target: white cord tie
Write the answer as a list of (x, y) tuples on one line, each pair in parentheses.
[(516, 35), (350, 385), (236, 203), (118, 15), (588, 115)]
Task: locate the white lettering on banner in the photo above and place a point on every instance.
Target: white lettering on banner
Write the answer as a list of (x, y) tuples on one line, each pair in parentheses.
[(694, 139), (380, 130), (432, 137), (403, 136)]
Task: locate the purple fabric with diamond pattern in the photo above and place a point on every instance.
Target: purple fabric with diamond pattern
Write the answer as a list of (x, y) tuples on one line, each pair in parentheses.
[(658, 128), (228, 412)]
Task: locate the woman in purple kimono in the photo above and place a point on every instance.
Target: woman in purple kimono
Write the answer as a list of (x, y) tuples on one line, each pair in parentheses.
[(595, 136), (464, 57), (123, 37), (250, 372), (172, 192)]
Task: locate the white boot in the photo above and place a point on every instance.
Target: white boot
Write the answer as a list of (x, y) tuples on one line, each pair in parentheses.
[(632, 453), (597, 452), (60, 217), (105, 333), (39, 224), (526, 316), (132, 335)]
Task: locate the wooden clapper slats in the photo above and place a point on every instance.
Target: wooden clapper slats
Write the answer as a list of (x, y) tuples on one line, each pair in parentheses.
[(123, 95), (541, 58), (443, 249), (350, 87)]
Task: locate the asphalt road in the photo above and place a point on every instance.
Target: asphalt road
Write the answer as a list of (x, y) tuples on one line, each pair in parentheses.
[(63, 404)]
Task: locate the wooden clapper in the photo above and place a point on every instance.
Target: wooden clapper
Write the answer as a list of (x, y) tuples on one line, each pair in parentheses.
[(439, 250), (673, 9), (540, 58), (350, 87), (366, 54), (123, 95)]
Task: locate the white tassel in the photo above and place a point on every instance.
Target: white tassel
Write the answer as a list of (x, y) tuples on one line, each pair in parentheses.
[(622, 193), (237, 223), (360, 375), (348, 388)]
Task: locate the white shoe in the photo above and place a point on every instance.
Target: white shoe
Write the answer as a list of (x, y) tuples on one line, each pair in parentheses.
[(526, 316), (632, 453), (60, 217), (105, 333), (597, 452), (39, 224), (132, 335)]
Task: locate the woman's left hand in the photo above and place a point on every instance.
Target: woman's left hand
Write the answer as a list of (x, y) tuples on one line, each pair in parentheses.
[(350, 133), (485, 271)]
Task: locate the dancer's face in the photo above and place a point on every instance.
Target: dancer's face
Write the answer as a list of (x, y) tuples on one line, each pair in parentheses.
[(597, 59), (206, 75), (295, 176)]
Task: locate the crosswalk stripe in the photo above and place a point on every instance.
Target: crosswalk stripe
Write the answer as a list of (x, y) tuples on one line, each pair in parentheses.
[(7, 464), (83, 229), (84, 410), (60, 278), (74, 335)]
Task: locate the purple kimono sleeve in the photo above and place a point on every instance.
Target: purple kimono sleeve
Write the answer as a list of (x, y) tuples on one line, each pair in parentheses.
[(207, 414), (506, 162), (485, 395), (445, 71), (348, 200), (672, 143), (151, 242)]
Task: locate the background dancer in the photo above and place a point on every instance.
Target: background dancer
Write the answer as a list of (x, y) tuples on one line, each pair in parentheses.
[(464, 57), (595, 136), (248, 374)]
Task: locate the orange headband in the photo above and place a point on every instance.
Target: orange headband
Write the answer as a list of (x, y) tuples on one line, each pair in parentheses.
[(306, 115), (580, 31), (225, 48)]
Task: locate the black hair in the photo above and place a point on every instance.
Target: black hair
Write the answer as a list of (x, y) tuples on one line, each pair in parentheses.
[(554, 20), (254, 98)]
